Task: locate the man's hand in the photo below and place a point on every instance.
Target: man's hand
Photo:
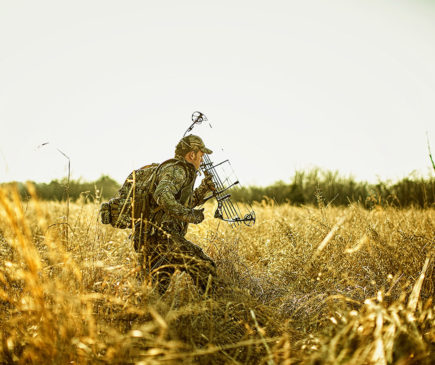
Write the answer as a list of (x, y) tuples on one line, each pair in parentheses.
[(197, 216), (208, 181)]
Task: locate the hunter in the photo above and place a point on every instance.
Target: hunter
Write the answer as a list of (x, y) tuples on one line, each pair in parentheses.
[(160, 241)]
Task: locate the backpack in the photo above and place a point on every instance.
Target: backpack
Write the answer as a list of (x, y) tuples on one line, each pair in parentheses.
[(133, 200)]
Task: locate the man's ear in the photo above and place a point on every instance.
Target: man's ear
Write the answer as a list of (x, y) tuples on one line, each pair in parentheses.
[(190, 155)]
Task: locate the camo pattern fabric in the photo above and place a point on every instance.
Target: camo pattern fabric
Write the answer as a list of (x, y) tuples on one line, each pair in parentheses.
[(175, 196), (140, 178), (160, 194), (129, 198), (167, 254)]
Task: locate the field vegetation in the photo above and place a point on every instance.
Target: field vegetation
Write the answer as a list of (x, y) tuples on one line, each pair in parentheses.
[(309, 284), (301, 189)]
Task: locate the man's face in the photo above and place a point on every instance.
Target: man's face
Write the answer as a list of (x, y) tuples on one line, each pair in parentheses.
[(196, 159)]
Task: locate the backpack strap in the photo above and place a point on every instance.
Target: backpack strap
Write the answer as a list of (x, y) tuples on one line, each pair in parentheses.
[(152, 182)]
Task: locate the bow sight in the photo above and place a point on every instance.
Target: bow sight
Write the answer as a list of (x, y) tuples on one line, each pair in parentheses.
[(197, 118), (226, 210)]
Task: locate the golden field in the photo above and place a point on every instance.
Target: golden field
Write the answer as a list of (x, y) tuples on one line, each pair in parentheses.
[(305, 285)]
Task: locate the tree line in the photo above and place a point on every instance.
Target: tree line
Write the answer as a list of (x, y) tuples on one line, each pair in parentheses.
[(314, 187), (320, 187), (103, 188)]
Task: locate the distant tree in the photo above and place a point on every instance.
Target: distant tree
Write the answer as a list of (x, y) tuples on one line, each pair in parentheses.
[(105, 187)]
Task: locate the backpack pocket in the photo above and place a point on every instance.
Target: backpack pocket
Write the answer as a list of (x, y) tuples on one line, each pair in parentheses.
[(110, 213), (105, 213)]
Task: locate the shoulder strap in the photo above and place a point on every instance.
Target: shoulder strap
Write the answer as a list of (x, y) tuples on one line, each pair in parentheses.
[(154, 174)]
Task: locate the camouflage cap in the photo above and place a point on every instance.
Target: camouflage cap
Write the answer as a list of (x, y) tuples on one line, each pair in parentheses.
[(192, 143)]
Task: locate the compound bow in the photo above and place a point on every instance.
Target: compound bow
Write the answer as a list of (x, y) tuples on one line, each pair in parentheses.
[(227, 210)]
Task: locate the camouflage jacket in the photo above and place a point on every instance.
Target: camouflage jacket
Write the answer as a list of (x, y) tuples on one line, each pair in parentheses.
[(174, 196)]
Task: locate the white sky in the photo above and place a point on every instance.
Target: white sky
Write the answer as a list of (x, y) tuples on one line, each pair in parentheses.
[(286, 85)]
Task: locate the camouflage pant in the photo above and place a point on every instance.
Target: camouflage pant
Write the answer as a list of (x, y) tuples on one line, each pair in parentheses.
[(161, 255)]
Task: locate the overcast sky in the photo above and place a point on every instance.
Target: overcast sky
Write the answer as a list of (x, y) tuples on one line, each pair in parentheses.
[(286, 85)]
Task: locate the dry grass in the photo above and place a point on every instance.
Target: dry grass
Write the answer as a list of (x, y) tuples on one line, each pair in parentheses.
[(304, 285)]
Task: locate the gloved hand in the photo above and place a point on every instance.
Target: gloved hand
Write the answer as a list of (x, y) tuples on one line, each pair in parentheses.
[(197, 216), (208, 181)]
